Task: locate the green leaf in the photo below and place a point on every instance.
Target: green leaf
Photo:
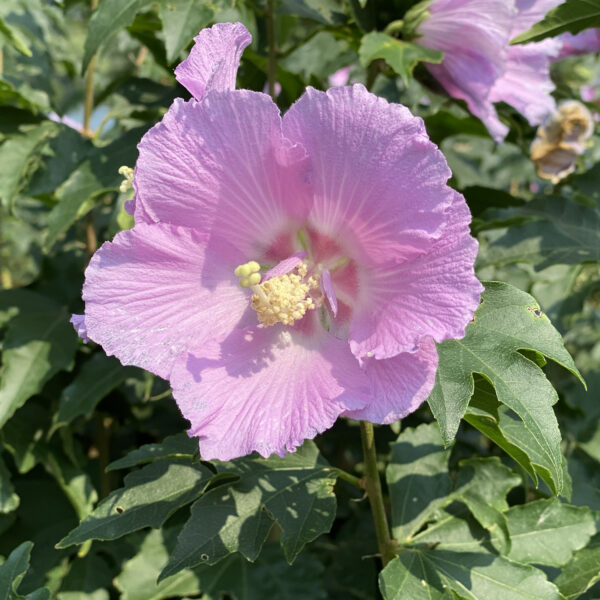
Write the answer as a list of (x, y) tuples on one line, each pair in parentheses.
[(67, 150), (98, 376), (149, 497), (572, 16), (89, 578), (482, 484), (17, 155), (13, 571), (409, 576), (269, 577), (23, 97), (75, 483), (95, 176), (296, 491), (563, 231), (9, 501), (180, 446), (471, 575), (182, 20), (329, 12), (399, 55), (39, 342), (110, 17), (137, 580), (10, 36), (547, 532), (417, 477), (581, 572), (507, 321)]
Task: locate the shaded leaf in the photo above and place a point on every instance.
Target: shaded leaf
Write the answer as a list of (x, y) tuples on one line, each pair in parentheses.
[(563, 231), (507, 321), (296, 491), (581, 572), (182, 20), (547, 532), (269, 577), (329, 12), (179, 445), (149, 497), (39, 342), (17, 155), (110, 17), (572, 16), (89, 578), (8, 499), (98, 376), (137, 580), (12, 572), (10, 35), (400, 55), (417, 477), (471, 575)]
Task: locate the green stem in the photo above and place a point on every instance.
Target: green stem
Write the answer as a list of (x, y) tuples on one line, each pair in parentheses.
[(351, 479), (272, 48), (372, 485)]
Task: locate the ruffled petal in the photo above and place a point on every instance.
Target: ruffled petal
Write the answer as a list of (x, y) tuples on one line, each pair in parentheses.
[(157, 290), (400, 384), (223, 164), (433, 295), (526, 83), (474, 36), (267, 389), (78, 322), (379, 182), (214, 60)]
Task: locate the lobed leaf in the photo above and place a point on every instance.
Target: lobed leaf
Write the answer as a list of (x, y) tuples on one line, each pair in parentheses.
[(508, 321), (547, 532), (149, 497), (400, 55), (296, 491)]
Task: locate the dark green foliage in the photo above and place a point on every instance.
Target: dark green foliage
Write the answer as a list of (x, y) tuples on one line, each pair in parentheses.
[(492, 488)]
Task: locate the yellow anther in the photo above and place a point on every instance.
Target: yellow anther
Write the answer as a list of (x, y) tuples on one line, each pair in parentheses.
[(247, 269), (285, 298), (127, 183), (250, 280)]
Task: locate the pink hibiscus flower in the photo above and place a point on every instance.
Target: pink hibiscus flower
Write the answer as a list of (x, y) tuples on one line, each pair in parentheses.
[(481, 68), (585, 42), (344, 200)]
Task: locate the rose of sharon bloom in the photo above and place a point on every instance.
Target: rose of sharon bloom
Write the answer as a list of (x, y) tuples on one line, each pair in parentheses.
[(580, 43), (283, 272), (479, 65)]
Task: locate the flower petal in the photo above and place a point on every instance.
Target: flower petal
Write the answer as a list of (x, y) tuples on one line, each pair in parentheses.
[(223, 165), (379, 182), (157, 290), (433, 295), (267, 389), (526, 83), (474, 36), (214, 60), (78, 322), (400, 384)]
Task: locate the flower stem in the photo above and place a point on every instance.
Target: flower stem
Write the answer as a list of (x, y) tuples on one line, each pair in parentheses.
[(272, 48), (372, 485)]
